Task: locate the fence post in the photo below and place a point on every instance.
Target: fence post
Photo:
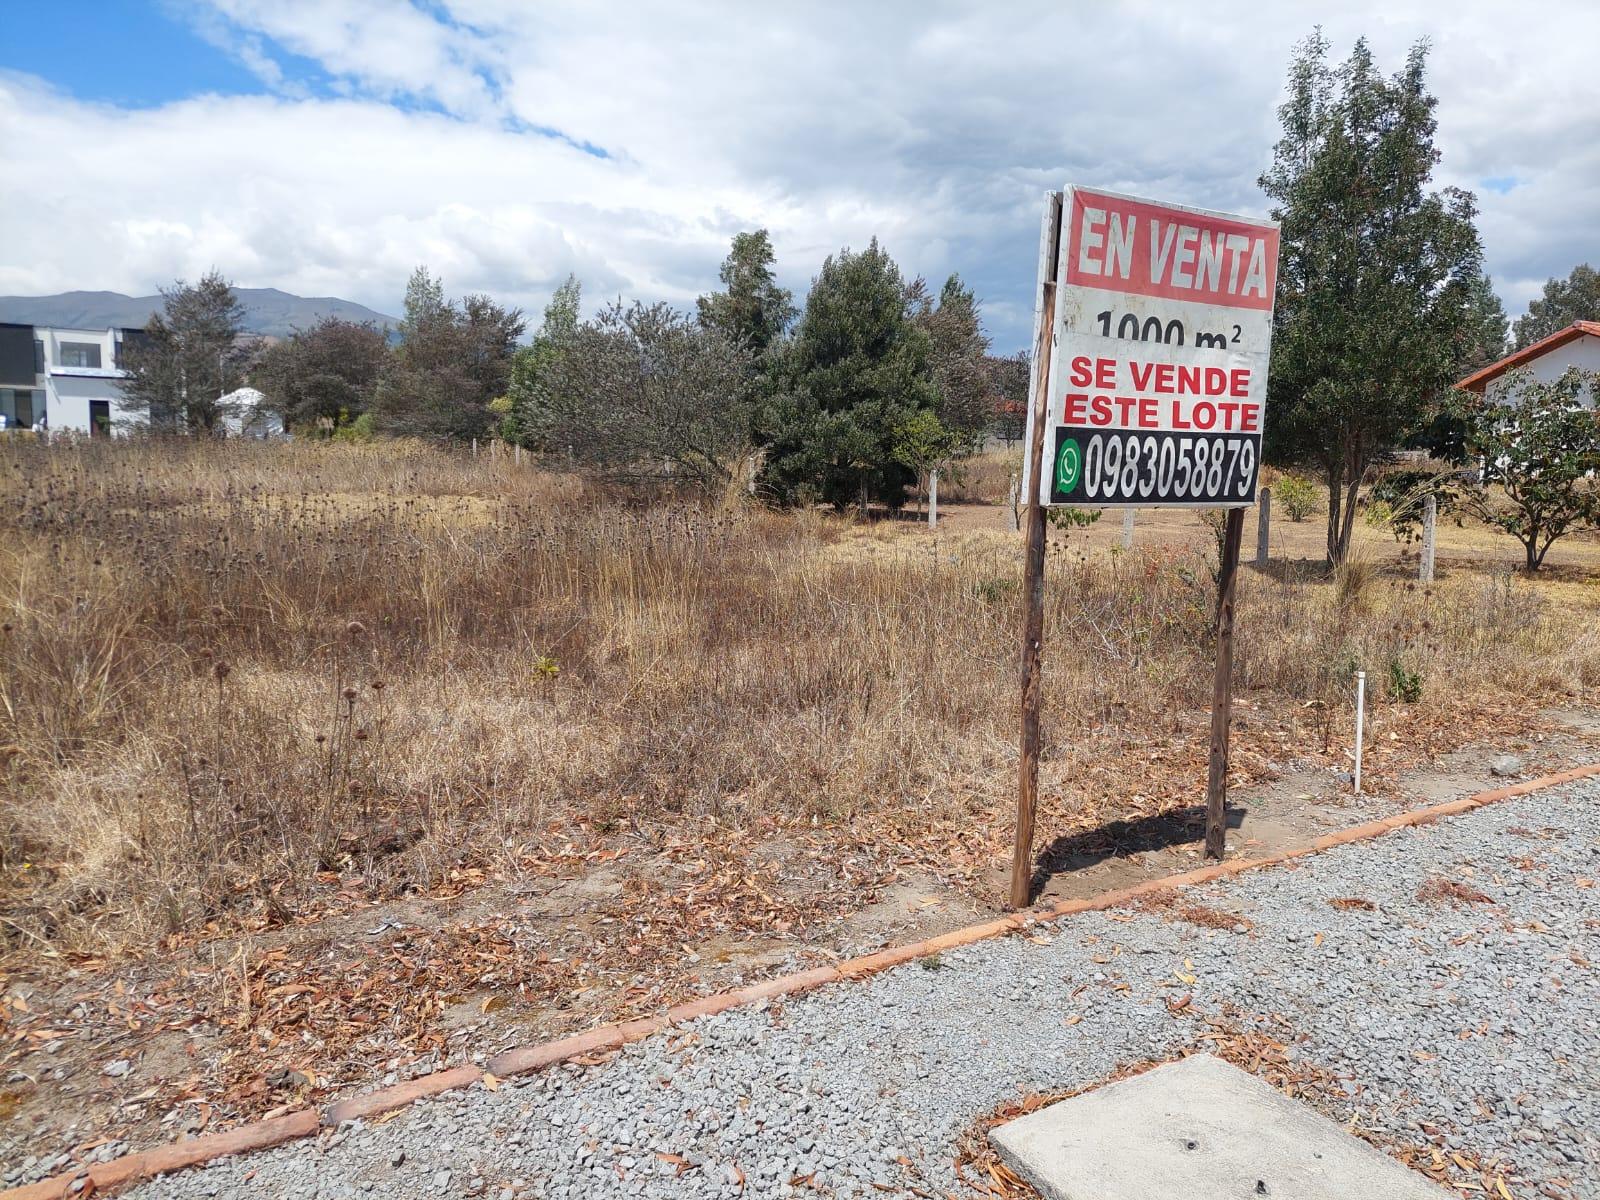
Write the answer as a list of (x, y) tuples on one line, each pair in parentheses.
[(933, 499), (1263, 526), (474, 447), (1361, 718), (1127, 529), (516, 453), (1013, 499), (1430, 520)]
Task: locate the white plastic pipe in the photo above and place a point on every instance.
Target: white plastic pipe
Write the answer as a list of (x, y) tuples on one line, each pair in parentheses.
[(1361, 715)]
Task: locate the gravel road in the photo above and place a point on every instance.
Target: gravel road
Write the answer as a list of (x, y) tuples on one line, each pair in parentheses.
[(1477, 1018)]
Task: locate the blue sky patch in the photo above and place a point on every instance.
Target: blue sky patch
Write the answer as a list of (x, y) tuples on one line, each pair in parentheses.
[(142, 54)]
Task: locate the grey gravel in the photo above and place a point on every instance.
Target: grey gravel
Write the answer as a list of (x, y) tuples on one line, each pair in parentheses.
[(1473, 1026)]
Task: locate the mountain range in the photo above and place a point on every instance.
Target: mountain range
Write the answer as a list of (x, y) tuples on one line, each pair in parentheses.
[(266, 310)]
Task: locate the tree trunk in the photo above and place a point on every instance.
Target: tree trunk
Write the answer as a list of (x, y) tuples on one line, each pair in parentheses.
[(1342, 508), (1334, 522), (1349, 513)]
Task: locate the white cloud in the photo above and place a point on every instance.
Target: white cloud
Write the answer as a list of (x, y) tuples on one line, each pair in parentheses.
[(389, 47), (934, 126)]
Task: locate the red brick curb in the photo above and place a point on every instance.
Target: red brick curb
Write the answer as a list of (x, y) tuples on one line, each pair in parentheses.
[(522, 1060), (131, 1168), (372, 1104)]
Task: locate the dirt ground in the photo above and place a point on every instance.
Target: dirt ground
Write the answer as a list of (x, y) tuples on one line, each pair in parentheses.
[(136, 1053), (203, 1031)]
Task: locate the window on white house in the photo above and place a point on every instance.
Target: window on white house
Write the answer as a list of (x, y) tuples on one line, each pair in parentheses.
[(80, 354), (16, 405), (38, 356)]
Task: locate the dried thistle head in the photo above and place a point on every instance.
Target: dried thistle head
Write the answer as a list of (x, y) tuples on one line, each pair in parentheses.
[(222, 670), (350, 694), (355, 628)]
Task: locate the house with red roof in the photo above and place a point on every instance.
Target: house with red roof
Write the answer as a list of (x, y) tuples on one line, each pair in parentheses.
[(1578, 345)]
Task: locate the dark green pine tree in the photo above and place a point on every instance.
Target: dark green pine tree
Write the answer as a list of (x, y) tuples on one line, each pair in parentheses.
[(857, 374), (1377, 276)]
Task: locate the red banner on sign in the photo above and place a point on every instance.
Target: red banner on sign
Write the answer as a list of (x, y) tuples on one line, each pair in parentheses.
[(1132, 246)]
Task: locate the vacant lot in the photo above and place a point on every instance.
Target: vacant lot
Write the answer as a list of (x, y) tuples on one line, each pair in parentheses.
[(319, 762)]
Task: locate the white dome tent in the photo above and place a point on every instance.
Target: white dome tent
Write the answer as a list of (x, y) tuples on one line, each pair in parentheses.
[(244, 415)]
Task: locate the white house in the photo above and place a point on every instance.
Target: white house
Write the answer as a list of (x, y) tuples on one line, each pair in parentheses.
[(71, 379), (1547, 360), (61, 379)]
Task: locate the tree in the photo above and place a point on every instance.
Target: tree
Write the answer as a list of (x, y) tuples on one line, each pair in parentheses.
[(857, 370), (644, 393), (453, 361), (1484, 342), (1009, 378), (753, 311), (328, 371), (1539, 447), (959, 358), (1377, 274), (426, 308), (527, 421), (1485, 329), (1575, 298), (190, 358), (922, 441)]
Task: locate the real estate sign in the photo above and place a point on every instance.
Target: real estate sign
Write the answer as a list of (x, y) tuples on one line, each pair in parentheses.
[(1158, 378)]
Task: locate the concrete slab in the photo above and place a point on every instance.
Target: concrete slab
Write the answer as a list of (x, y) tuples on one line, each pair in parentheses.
[(1198, 1129)]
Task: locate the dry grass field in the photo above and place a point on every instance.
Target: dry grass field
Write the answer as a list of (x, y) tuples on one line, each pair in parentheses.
[(315, 760)]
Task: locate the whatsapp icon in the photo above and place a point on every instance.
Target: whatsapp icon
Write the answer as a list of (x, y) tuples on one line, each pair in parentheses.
[(1069, 465)]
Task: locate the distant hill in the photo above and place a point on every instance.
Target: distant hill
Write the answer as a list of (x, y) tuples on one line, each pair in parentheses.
[(266, 310)]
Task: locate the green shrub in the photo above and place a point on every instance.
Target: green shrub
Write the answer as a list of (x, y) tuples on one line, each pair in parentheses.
[(1398, 498), (359, 430), (1379, 515), (1298, 495), (1405, 685), (1064, 516)]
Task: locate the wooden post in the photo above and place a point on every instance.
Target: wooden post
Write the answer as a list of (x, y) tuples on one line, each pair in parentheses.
[(1263, 527), (1127, 529), (1013, 501), (1430, 520), (516, 453), (474, 447), (933, 499), (1033, 559), (1222, 691)]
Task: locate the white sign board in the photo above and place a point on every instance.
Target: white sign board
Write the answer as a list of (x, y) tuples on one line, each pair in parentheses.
[(1158, 377)]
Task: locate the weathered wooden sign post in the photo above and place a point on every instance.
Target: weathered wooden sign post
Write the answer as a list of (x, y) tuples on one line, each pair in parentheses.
[(1151, 338)]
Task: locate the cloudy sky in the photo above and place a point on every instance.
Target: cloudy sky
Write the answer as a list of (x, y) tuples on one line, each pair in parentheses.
[(327, 147)]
